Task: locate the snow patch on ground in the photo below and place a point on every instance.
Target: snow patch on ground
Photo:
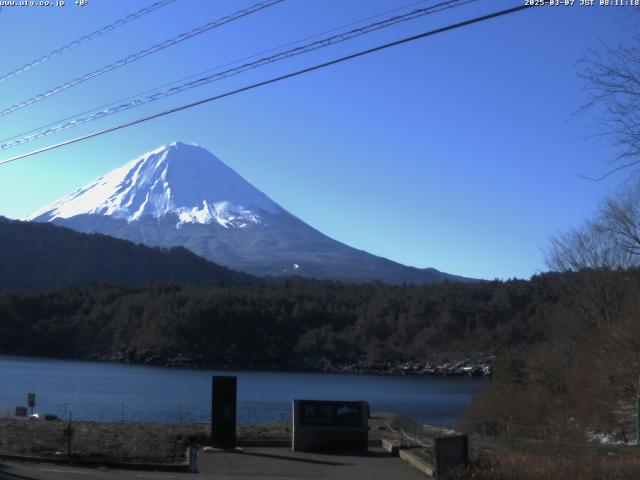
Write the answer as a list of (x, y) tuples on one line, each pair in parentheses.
[(605, 438)]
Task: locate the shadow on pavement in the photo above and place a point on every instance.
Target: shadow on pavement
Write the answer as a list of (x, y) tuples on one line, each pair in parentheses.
[(5, 475), (293, 459), (369, 454)]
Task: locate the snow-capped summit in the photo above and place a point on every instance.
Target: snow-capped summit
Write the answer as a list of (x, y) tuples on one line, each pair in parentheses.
[(180, 179)]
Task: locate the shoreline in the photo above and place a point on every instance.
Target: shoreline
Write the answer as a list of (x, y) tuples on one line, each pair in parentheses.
[(482, 368)]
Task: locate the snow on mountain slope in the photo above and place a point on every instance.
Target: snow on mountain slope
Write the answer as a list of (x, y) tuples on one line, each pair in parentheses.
[(185, 180), (182, 195)]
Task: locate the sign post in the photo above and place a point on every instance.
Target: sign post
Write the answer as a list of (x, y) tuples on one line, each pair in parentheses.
[(68, 432), (638, 421), (223, 411), (31, 401)]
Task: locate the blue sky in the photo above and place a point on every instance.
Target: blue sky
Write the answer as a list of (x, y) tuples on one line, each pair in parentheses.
[(460, 152)]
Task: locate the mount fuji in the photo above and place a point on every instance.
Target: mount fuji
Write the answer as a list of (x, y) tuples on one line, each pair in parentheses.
[(183, 195)]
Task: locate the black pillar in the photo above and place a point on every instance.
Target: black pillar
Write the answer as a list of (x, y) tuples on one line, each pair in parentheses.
[(223, 412)]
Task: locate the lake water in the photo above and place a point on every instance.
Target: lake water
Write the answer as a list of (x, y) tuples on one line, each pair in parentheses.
[(133, 393)]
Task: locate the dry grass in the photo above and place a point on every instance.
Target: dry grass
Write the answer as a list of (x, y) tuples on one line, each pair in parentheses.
[(493, 458), (122, 442), (515, 466), (518, 458), (526, 459)]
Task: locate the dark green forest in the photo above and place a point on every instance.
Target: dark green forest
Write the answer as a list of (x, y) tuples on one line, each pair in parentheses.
[(287, 325)]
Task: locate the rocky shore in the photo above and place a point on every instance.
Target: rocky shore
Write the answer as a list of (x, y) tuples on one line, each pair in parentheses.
[(477, 367), (467, 367)]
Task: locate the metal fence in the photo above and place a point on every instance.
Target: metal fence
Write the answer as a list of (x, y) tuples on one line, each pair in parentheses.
[(248, 413)]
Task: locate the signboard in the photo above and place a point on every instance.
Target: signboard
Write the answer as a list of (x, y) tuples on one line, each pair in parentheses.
[(223, 411), (21, 411), (330, 426), (451, 452), (333, 414), (31, 399)]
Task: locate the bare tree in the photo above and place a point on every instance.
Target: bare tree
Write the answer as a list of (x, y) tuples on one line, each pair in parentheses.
[(606, 376), (620, 217), (612, 80), (594, 246), (608, 243)]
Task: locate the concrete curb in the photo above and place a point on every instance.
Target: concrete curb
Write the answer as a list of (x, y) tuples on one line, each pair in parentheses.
[(418, 463), (282, 443), (392, 446), (264, 443)]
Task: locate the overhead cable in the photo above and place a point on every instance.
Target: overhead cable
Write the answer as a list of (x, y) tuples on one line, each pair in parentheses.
[(267, 82), (141, 54), (212, 69), (95, 34), (323, 43)]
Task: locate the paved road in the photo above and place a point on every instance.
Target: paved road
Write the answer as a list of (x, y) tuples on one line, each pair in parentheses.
[(255, 463), (32, 471)]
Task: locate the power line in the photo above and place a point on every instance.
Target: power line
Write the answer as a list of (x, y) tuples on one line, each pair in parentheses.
[(93, 35), (141, 54), (270, 81), (323, 43), (23, 135)]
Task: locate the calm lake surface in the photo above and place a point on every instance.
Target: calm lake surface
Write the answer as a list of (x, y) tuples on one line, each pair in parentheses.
[(133, 393)]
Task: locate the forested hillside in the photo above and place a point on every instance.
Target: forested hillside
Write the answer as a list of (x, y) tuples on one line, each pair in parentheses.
[(38, 256)]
